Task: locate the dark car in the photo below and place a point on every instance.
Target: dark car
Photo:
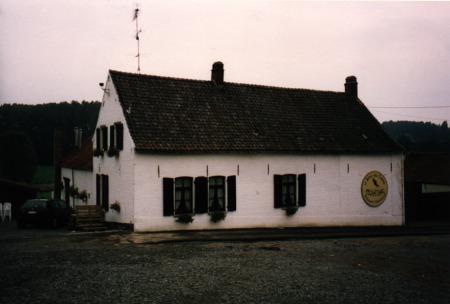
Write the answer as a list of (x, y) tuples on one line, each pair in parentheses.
[(44, 212)]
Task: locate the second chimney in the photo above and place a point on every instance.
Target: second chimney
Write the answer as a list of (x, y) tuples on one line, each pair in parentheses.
[(217, 73), (351, 86)]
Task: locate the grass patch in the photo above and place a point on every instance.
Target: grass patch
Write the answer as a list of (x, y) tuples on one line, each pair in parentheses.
[(43, 175)]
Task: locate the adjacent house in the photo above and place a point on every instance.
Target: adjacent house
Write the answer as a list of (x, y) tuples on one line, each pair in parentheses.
[(76, 172), (427, 187), (173, 154)]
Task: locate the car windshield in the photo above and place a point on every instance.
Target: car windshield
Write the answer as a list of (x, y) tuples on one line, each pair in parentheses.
[(34, 203)]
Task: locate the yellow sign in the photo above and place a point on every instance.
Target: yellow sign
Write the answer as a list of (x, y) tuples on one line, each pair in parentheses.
[(374, 188)]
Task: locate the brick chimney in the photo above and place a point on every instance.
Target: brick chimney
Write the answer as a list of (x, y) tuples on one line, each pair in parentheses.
[(351, 86), (217, 73)]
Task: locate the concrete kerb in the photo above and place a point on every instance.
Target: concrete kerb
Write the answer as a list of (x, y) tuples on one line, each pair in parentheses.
[(255, 235)]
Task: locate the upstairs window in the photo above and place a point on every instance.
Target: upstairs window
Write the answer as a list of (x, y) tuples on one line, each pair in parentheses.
[(102, 138), (289, 190), (116, 136)]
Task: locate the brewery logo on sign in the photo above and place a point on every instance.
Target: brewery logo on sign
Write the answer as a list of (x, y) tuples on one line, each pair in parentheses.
[(374, 188)]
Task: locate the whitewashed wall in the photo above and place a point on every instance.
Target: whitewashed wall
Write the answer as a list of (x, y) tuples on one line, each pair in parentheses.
[(119, 169), (333, 185), (79, 179), (333, 190)]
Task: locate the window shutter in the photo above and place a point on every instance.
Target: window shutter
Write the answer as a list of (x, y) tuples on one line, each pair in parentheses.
[(168, 197), (301, 190), (97, 188), (231, 189), (277, 191), (98, 144), (111, 137), (201, 195), (104, 137), (119, 136), (105, 192)]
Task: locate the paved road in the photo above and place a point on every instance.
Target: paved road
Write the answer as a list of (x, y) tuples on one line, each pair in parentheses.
[(260, 266)]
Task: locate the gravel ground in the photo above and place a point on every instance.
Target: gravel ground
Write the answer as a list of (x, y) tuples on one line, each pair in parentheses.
[(110, 268)]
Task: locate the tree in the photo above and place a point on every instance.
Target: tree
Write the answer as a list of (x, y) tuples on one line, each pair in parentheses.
[(17, 157)]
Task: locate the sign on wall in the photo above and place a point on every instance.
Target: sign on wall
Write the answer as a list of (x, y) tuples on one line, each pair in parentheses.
[(374, 188)]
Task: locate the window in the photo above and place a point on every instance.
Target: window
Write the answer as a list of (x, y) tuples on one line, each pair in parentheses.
[(289, 190), (216, 191), (183, 195), (102, 138), (116, 136), (188, 195)]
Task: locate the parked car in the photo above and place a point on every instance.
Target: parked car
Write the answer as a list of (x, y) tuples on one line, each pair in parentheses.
[(44, 212)]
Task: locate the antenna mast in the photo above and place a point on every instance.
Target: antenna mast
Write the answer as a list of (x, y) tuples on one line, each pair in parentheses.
[(135, 18)]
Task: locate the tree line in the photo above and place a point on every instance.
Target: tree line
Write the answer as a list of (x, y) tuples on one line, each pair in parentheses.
[(26, 134), (424, 137)]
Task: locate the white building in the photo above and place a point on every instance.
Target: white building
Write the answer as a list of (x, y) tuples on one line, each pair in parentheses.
[(76, 173), (227, 155)]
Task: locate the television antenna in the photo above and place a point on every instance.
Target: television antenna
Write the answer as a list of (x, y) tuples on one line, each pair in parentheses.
[(136, 18)]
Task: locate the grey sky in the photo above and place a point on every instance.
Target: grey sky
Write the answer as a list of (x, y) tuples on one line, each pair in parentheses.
[(52, 51)]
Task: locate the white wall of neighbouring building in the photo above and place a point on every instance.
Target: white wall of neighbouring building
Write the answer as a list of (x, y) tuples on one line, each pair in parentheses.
[(80, 179)]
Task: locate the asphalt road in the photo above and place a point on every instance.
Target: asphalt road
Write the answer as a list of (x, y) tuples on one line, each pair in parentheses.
[(260, 266)]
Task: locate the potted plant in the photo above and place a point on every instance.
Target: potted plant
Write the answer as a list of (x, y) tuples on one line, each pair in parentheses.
[(98, 152), (115, 206), (112, 151), (217, 216), (184, 218), (83, 195)]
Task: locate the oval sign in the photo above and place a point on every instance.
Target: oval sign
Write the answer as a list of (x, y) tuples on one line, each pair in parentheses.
[(374, 188)]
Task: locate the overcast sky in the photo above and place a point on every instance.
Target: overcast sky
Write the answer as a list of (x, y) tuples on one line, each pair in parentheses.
[(52, 51)]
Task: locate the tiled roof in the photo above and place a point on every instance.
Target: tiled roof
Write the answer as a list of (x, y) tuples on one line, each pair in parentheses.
[(179, 115), (82, 158)]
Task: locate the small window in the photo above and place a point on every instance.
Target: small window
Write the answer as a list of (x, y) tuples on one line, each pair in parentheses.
[(216, 200), (183, 195), (289, 190), (116, 136), (101, 136)]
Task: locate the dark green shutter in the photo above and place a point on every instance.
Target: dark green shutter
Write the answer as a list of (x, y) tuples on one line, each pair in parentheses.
[(105, 192), (104, 137), (97, 188), (277, 191), (231, 189), (201, 195), (301, 190), (97, 137), (112, 132), (168, 197), (119, 136)]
